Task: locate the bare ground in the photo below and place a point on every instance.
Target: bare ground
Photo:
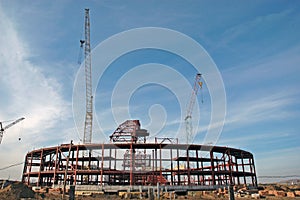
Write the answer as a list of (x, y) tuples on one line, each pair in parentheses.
[(17, 190)]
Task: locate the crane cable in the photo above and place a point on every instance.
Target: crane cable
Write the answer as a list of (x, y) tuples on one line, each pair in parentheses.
[(80, 52), (8, 121), (200, 84), (13, 165)]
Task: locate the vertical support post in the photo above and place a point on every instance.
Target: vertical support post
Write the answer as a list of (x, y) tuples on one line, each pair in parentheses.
[(55, 166), (131, 165), (76, 164), (243, 167), (153, 158), (237, 169), (29, 171), (230, 192), (72, 193), (158, 192), (25, 168), (160, 163), (102, 160), (171, 157), (178, 168), (230, 168), (98, 168), (252, 171), (40, 168), (218, 169), (115, 166), (225, 169), (72, 165), (66, 170), (254, 182), (109, 166), (212, 167), (188, 166), (150, 195), (203, 177), (197, 164), (89, 154)]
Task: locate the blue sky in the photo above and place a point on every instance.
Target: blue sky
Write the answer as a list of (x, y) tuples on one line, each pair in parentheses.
[(254, 44)]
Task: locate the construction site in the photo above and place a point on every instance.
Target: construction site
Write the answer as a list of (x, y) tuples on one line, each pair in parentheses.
[(129, 162)]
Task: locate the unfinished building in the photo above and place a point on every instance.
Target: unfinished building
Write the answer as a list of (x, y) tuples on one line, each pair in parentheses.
[(128, 160)]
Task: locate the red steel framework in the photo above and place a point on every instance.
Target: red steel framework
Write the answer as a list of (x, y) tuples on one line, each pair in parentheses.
[(130, 160)]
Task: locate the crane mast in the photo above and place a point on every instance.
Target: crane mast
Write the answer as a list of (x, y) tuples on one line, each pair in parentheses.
[(190, 107), (2, 129), (88, 124)]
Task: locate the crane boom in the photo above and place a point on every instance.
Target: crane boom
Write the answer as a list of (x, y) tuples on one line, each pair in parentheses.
[(190, 107), (2, 129), (87, 138)]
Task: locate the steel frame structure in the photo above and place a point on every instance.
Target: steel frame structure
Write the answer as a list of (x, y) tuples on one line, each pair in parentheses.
[(139, 164)]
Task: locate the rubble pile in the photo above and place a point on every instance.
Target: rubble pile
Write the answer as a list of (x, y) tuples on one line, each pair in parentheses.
[(277, 190), (15, 190)]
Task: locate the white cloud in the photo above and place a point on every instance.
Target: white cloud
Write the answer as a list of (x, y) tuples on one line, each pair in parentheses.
[(286, 161), (270, 107), (253, 138), (252, 25), (259, 91), (270, 71), (28, 93)]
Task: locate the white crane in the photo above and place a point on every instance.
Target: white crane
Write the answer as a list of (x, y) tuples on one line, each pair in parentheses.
[(190, 107), (2, 129), (88, 124)]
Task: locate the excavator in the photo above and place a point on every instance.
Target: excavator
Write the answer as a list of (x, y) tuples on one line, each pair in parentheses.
[(2, 129)]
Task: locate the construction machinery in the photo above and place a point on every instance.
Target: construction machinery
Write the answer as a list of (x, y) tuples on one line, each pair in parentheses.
[(88, 124), (190, 107), (2, 129)]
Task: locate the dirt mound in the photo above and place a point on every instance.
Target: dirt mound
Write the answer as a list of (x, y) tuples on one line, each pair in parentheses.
[(16, 190)]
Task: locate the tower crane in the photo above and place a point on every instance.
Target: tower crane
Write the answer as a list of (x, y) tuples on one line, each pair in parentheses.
[(2, 129), (88, 124), (190, 107)]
